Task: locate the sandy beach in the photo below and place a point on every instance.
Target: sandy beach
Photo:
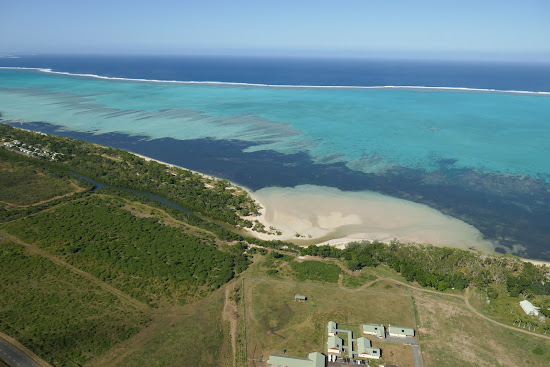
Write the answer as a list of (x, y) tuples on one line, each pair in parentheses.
[(329, 216), (336, 217)]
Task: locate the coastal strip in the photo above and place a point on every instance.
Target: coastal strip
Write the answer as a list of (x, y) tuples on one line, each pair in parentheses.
[(309, 214)]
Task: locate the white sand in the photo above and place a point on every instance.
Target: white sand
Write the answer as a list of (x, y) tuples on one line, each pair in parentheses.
[(346, 217), (337, 217)]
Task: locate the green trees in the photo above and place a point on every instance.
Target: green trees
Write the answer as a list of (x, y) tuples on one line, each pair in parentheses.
[(442, 268), (316, 270), (62, 316), (146, 259), (213, 198)]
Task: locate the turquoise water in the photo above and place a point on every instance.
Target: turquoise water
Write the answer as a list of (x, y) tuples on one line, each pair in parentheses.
[(370, 130)]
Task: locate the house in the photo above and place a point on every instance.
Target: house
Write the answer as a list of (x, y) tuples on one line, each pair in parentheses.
[(365, 349), (529, 308), (400, 332), (299, 297), (375, 329), (335, 344), (314, 359), (331, 328)]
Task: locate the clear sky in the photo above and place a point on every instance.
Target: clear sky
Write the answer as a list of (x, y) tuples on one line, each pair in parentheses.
[(476, 29)]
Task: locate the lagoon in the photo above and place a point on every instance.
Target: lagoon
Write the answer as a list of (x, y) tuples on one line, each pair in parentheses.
[(478, 156)]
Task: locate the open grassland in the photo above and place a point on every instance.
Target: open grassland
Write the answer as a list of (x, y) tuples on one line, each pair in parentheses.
[(151, 261), (23, 184), (451, 335), (274, 321), (63, 317), (183, 336)]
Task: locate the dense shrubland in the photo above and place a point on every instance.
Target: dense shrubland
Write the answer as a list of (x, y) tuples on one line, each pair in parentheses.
[(443, 267), (214, 198), (142, 257)]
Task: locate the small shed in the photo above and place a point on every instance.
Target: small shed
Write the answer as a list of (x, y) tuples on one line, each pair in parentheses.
[(400, 332), (300, 298)]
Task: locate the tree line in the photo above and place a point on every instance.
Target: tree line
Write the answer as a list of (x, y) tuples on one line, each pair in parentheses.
[(442, 267)]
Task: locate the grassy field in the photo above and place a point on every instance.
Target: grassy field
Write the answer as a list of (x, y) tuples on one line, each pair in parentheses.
[(61, 316), (451, 335), (188, 336), (23, 184), (274, 321)]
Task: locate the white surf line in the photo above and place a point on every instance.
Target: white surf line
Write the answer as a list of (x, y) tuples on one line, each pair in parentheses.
[(409, 87)]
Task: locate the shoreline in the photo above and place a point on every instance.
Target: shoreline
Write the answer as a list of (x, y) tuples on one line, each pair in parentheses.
[(338, 229)]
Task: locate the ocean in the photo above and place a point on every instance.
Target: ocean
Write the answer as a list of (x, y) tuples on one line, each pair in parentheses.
[(469, 139)]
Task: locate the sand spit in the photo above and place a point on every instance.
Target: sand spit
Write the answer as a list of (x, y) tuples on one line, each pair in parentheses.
[(338, 217)]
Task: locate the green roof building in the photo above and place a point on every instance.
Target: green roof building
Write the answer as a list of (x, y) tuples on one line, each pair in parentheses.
[(365, 349), (375, 329), (314, 359), (335, 344), (400, 332)]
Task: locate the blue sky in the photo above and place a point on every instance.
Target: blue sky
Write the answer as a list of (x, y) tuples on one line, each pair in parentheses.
[(477, 29)]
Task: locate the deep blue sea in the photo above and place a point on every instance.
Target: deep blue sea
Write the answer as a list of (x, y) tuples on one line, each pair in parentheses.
[(475, 147), (302, 71)]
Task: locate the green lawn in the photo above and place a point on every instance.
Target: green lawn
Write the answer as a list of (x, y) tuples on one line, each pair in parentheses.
[(274, 321)]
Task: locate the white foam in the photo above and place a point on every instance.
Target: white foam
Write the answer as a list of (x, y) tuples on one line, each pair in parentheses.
[(406, 87)]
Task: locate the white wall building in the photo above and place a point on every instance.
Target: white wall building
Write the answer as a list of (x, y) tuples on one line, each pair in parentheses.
[(529, 308)]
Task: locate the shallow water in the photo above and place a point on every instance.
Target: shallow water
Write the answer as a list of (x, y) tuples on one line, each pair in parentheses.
[(480, 157)]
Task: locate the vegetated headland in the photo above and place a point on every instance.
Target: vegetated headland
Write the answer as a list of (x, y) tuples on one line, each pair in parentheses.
[(88, 230)]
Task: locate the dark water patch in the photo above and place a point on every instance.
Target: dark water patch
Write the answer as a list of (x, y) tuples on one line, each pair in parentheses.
[(100, 185), (513, 211)]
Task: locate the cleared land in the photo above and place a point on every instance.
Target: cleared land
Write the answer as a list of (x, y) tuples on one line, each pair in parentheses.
[(188, 336), (451, 335), (274, 321)]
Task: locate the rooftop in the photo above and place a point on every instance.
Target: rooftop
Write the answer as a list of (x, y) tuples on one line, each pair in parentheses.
[(314, 359)]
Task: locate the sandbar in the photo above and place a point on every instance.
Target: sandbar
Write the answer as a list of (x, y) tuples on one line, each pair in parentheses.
[(331, 216)]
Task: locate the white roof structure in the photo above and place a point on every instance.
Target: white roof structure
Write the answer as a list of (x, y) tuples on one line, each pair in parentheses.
[(331, 327), (529, 308), (400, 332)]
